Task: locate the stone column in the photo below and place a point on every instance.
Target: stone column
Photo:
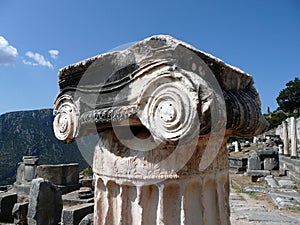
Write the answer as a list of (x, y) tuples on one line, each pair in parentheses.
[(135, 187), (166, 111), (286, 151), (294, 153)]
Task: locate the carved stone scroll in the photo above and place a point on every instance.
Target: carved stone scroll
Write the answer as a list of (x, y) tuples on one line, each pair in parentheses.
[(165, 110)]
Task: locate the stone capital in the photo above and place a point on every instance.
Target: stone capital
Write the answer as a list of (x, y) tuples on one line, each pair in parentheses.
[(163, 84), (165, 110)]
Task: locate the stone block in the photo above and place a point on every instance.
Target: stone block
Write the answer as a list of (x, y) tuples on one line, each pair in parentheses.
[(72, 198), (271, 217), (20, 173), (19, 212), (271, 182), (271, 164), (3, 188), (258, 173), (238, 163), (68, 188), (45, 203), (7, 202), (73, 215), (87, 220), (255, 189), (85, 193), (286, 184), (254, 162), (22, 189), (62, 174), (87, 182), (266, 153)]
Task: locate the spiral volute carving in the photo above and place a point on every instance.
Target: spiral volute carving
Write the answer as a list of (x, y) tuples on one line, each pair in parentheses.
[(66, 119), (168, 109)]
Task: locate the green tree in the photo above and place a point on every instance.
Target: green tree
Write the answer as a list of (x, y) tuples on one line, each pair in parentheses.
[(275, 118), (289, 98)]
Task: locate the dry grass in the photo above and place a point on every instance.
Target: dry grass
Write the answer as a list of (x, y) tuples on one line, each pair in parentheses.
[(239, 182)]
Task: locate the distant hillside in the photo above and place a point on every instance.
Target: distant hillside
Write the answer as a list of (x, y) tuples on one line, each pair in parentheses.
[(30, 133)]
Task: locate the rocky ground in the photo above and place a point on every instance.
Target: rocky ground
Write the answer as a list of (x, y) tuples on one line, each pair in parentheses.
[(262, 204)]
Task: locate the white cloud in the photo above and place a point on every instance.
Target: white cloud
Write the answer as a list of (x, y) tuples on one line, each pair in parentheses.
[(53, 53), (8, 53), (38, 60)]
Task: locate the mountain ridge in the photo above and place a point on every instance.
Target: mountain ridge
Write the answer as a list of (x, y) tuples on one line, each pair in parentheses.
[(30, 132)]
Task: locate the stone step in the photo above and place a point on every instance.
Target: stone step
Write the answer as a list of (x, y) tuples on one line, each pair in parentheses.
[(74, 214), (271, 182)]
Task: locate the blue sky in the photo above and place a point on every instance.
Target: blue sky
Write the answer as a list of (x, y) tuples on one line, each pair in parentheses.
[(37, 38)]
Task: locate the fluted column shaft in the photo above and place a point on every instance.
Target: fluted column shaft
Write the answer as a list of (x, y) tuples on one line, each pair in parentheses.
[(187, 196)]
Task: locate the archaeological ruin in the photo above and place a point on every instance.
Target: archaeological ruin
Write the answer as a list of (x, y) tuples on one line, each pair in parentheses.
[(163, 115), (166, 110)]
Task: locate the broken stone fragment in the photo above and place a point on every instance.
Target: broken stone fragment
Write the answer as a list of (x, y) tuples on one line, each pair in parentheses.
[(19, 212), (85, 192), (45, 203)]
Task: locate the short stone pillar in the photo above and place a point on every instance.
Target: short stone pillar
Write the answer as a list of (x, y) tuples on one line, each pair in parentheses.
[(166, 110), (255, 140), (236, 146), (27, 169), (294, 153), (285, 135), (30, 165), (26, 172), (280, 149)]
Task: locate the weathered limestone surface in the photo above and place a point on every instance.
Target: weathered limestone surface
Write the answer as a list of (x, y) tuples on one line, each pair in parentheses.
[(286, 151), (19, 212), (74, 214), (62, 174), (145, 191), (294, 153), (26, 172), (87, 220), (115, 86), (280, 149), (45, 203), (166, 110), (239, 164), (7, 202), (66, 176), (289, 163)]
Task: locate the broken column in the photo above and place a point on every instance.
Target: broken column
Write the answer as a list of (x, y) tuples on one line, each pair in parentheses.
[(166, 110), (285, 135), (294, 153)]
